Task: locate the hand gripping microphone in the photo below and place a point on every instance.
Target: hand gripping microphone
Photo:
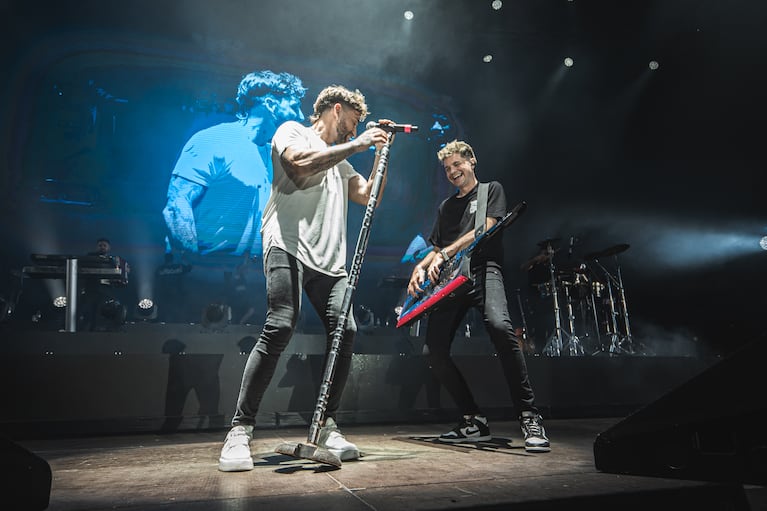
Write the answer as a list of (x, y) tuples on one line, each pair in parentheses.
[(394, 128)]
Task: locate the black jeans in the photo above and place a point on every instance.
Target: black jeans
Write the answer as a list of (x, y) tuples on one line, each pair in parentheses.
[(489, 297), (285, 277)]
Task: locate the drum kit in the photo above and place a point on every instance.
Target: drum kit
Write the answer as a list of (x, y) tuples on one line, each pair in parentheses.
[(588, 301)]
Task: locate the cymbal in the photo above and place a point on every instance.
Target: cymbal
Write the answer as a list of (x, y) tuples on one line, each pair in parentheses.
[(545, 243), (533, 261), (572, 267), (615, 249)]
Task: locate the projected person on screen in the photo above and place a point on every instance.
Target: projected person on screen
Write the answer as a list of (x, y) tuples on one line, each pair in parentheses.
[(454, 231), (304, 230), (222, 179)]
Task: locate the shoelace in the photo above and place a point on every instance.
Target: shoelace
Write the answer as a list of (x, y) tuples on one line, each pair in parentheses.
[(532, 426), (235, 433)]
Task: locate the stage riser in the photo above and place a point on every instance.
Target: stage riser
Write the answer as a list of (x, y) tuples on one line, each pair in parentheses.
[(81, 386)]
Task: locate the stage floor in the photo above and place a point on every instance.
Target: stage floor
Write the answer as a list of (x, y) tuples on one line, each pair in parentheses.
[(402, 468)]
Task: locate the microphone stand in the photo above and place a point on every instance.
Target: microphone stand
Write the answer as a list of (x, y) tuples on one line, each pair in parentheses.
[(310, 450)]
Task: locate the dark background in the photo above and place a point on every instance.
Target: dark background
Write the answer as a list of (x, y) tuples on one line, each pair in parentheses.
[(605, 152)]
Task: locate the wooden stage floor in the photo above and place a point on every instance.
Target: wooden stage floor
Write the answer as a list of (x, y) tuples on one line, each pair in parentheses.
[(402, 468)]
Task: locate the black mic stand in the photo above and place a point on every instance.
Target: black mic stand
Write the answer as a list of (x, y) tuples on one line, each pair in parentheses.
[(310, 450)]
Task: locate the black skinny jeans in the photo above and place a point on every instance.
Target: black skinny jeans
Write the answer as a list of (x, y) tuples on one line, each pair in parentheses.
[(489, 297), (285, 277)]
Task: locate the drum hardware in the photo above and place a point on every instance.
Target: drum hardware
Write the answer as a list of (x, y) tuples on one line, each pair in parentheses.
[(541, 257), (575, 348), (556, 343), (620, 343), (592, 303), (553, 347), (610, 251), (622, 292), (597, 288), (617, 342)]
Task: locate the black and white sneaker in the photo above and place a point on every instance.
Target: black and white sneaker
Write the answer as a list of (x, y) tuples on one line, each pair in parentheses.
[(473, 428), (535, 435)]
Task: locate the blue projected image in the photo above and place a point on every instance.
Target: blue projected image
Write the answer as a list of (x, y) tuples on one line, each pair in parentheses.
[(169, 156), (223, 177)]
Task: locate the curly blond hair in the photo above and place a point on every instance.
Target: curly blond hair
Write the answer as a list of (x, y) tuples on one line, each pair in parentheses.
[(329, 96), (456, 147)]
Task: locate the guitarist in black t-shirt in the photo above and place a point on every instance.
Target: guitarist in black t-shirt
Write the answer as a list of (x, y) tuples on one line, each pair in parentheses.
[(454, 230)]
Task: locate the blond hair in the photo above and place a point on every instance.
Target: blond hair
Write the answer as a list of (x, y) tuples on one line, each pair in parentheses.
[(333, 94), (456, 147)]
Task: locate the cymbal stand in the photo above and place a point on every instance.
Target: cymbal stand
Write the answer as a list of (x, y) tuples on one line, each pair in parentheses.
[(575, 348), (619, 344), (553, 347), (629, 337), (593, 296)]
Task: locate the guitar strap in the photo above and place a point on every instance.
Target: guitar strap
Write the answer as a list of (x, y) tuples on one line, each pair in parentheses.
[(480, 220)]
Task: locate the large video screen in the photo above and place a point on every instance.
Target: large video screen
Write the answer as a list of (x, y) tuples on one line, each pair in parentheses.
[(143, 142)]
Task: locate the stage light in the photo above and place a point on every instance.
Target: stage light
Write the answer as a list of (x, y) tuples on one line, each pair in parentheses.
[(60, 302), (409, 15), (146, 309), (496, 5), (487, 58), (763, 242), (216, 316), (653, 65), (569, 62)]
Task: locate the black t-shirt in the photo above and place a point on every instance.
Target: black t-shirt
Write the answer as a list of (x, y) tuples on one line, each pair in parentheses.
[(455, 217)]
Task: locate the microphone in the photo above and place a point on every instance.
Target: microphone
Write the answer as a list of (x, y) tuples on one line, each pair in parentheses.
[(395, 128)]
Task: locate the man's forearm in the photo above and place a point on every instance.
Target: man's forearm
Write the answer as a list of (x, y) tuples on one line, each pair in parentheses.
[(179, 213), (179, 219), (310, 162)]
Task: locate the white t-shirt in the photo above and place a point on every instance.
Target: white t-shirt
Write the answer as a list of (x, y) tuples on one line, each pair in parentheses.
[(306, 216), (237, 183)]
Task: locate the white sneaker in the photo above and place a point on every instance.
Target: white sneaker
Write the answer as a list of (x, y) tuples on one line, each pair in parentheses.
[(333, 440), (235, 455)]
